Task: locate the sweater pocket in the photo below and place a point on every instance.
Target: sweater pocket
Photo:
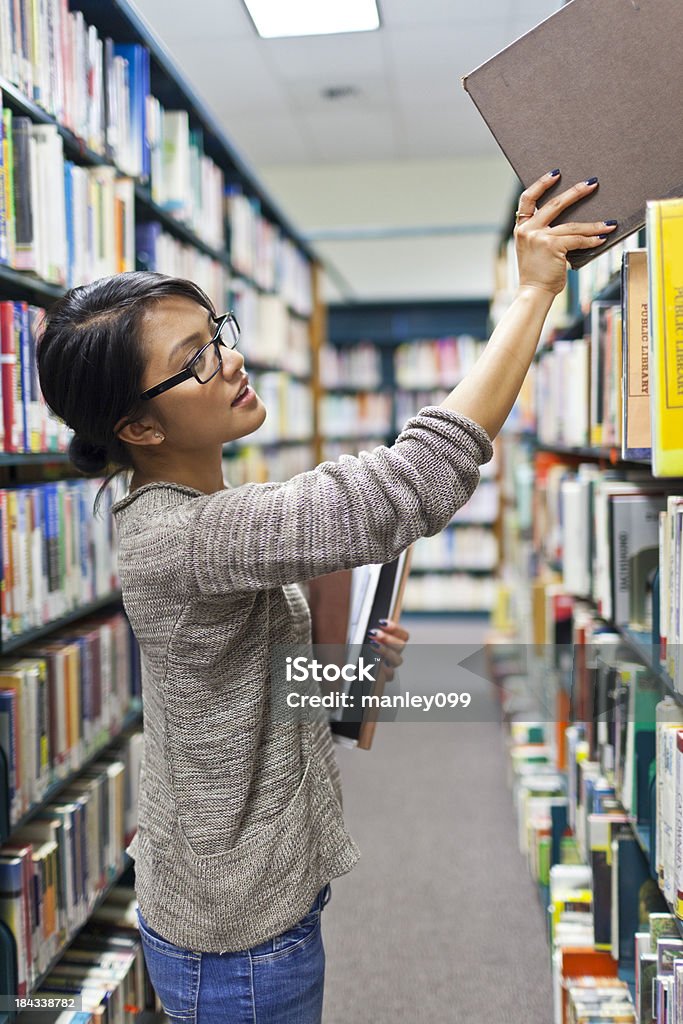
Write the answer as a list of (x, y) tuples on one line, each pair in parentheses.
[(260, 887)]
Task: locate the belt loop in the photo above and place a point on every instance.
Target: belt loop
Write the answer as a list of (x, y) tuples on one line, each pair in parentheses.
[(327, 893)]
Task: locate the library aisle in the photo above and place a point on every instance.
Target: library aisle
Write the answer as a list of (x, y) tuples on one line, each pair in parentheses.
[(439, 920)]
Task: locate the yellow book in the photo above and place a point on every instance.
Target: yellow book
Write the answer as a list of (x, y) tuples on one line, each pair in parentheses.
[(665, 279)]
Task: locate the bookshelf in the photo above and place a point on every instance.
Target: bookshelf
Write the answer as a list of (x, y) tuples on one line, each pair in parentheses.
[(383, 362), (200, 212), (616, 700)]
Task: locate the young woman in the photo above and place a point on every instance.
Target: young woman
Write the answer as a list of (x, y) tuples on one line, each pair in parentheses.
[(240, 826)]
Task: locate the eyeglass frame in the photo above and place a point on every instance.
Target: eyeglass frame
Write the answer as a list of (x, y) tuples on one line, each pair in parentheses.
[(188, 371)]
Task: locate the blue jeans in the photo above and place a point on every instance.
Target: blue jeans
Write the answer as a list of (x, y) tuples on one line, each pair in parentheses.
[(279, 981)]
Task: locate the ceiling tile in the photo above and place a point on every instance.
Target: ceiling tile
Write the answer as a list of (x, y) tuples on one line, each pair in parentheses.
[(338, 58), (306, 96), (201, 19), (451, 12), (243, 82), (268, 140), (345, 137), (424, 57)]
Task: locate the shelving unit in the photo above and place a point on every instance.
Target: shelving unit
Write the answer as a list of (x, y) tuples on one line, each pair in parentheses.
[(371, 334), (120, 21), (573, 321)]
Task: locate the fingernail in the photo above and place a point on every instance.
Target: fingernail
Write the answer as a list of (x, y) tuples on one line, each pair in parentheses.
[(372, 632), (610, 223), (592, 181), (383, 622), (554, 174), (373, 643), (602, 236)]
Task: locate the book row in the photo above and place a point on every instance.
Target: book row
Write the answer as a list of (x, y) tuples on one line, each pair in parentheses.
[(456, 592), (103, 968), (619, 385), (253, 464), (260, 251), (581, 794), (470, 547), (361, 415), (434, 363), (351, 366), (616, 538), (70, 234), (160, 251), (270, 333), (60, 701), (26, 423), (290, 408), (57, 865), (100, 91), (56, 555), (409, 403)]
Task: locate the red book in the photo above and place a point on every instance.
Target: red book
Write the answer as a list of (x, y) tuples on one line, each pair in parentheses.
[(9, 377)]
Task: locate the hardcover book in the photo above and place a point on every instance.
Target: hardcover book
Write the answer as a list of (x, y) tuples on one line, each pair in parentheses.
[(612, 117)]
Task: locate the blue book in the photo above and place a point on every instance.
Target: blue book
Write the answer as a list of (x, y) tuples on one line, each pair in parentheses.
[(69, 203), (637, 895), (146, 236), (24, 367), (139, 84), (51, 520)]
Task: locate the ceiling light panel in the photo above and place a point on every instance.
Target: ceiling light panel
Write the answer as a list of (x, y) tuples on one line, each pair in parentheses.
[(274, 19)]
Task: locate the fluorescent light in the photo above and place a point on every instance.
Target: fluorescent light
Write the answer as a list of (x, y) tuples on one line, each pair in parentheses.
[(275, 18)]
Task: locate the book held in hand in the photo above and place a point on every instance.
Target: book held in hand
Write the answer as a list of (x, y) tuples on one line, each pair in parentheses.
[(594, 90)]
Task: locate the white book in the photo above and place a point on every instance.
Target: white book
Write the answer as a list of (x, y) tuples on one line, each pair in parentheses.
[(666, 811), (176, 163), (678, 826)]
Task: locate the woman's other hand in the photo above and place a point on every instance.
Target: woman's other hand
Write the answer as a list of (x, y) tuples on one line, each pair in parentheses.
[(542, 250), (389, 639)]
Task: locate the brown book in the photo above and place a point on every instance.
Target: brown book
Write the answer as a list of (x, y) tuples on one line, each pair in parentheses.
[(636, 433), (593, 90)]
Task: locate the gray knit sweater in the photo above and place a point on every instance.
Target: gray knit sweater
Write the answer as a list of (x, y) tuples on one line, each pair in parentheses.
[(240, 820)]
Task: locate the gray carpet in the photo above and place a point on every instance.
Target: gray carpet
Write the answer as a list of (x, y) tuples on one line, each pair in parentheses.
[(439, 921)]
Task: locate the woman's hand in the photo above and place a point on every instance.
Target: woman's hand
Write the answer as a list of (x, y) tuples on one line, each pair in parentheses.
[(389, 640), (542, 250)]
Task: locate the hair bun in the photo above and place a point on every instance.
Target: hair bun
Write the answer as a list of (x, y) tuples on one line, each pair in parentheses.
[(88, 457)]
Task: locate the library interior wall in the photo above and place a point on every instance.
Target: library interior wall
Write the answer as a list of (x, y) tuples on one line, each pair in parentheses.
[(409, 194)]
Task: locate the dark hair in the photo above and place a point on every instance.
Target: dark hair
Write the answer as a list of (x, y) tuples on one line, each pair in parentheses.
[(91, 361)]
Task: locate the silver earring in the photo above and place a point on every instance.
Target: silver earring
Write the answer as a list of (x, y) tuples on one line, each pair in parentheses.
[(159, 435)]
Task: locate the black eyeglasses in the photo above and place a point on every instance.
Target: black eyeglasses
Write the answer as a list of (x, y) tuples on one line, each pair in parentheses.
[(207, 362)]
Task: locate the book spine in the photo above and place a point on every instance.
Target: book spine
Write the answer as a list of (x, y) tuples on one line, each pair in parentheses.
[(665, 273), (23, 195)]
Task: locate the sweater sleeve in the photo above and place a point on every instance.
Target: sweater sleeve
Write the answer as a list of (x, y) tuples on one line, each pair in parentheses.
[(356, 511)]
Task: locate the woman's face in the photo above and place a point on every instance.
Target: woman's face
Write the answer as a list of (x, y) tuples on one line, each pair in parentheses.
[(193, 415)]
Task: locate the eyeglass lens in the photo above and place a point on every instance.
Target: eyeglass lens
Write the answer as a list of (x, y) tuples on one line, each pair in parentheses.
[(209, 363)]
